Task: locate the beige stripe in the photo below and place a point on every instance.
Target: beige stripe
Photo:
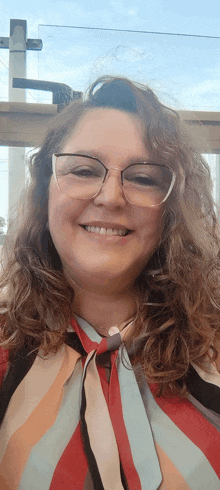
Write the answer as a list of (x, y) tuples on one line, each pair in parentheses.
[(37, 424), (30, 393), (127, 330), (172, 478), (100, 430)]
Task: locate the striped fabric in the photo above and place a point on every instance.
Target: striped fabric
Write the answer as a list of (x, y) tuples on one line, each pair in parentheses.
[(84, 421)]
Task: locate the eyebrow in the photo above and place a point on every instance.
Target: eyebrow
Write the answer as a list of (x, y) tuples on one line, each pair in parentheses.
[(102, 157)]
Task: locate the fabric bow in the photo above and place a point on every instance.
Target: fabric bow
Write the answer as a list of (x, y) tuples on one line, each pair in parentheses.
[(116, 432)]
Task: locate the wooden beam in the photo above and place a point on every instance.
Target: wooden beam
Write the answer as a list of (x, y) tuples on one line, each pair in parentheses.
[(25, 124), (204, 128)]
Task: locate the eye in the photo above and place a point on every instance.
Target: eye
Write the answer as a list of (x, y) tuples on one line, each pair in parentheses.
[(79, 167), (148, 176), (85, 172), (143, 180)]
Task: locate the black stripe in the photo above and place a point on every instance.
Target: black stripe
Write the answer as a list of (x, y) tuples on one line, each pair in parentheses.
[(206, 393), (114, 342), (19, 368), (123, 478), (73, 341), (21, 364), (93, 467)]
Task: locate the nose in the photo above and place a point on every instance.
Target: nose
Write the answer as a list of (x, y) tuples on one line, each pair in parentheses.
[(111, 193)]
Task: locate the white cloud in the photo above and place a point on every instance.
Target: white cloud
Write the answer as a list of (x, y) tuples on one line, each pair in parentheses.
[(133, 11)]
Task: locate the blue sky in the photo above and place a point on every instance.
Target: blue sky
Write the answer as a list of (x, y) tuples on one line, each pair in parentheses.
[(185, 71), (191, 17)]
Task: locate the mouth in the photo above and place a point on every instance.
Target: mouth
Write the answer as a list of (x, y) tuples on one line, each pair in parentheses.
[(106, 231)]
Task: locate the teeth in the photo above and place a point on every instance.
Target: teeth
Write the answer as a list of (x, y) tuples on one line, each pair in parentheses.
[(105, 231)]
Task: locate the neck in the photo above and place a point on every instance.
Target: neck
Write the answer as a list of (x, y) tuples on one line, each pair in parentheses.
[(103, 312)]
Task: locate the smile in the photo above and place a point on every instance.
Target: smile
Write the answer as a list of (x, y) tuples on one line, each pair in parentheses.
[(106, 231)]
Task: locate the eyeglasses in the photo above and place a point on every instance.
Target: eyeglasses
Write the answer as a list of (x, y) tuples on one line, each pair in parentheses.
[(82, 177)]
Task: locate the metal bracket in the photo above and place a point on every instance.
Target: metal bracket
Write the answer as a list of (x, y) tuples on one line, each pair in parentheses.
[(4, 42), (31, 44), (34, 44), (62, 93)]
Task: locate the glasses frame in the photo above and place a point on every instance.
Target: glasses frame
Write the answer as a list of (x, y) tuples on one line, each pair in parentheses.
[(56, 155)]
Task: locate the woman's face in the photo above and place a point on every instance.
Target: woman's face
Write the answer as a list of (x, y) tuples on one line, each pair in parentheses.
[(115, 138)]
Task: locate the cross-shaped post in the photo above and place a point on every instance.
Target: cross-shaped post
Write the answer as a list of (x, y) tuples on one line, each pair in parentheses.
[(18, 44)]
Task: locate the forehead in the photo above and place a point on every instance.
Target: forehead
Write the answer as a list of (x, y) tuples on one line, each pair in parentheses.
[(107, 129)]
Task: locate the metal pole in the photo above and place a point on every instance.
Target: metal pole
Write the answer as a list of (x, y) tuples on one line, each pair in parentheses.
[(17, 69)]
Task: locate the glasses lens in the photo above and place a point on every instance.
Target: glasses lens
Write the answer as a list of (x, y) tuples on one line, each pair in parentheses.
[(147, 185), (79, 176)]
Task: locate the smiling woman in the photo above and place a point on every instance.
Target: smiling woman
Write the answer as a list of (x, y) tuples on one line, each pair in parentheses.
[(121, 238), (110, 305)]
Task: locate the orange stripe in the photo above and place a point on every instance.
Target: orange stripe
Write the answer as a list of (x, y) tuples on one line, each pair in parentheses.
[(37, 424), (29, 393), (172, 478)]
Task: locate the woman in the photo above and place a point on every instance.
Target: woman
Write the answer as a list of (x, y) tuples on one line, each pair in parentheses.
[(110, 315)]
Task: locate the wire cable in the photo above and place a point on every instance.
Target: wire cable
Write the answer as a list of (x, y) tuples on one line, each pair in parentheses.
[(129, 30)]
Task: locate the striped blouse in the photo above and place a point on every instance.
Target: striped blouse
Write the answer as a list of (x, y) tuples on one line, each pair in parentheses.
[(83, 419)]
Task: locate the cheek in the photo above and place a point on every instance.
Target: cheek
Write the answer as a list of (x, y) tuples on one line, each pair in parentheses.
[(151, 223), (60, 213), (62, 210)]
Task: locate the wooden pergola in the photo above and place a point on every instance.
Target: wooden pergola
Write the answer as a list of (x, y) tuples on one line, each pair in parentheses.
[(25, 124)]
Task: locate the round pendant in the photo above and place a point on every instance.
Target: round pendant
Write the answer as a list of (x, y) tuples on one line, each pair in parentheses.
[(113, 331)]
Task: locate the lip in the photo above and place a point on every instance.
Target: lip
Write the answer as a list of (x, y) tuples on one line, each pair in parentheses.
[(106, 224)]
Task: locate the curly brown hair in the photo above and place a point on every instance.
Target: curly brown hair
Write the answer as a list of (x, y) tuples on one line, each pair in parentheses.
[(179, 288)]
